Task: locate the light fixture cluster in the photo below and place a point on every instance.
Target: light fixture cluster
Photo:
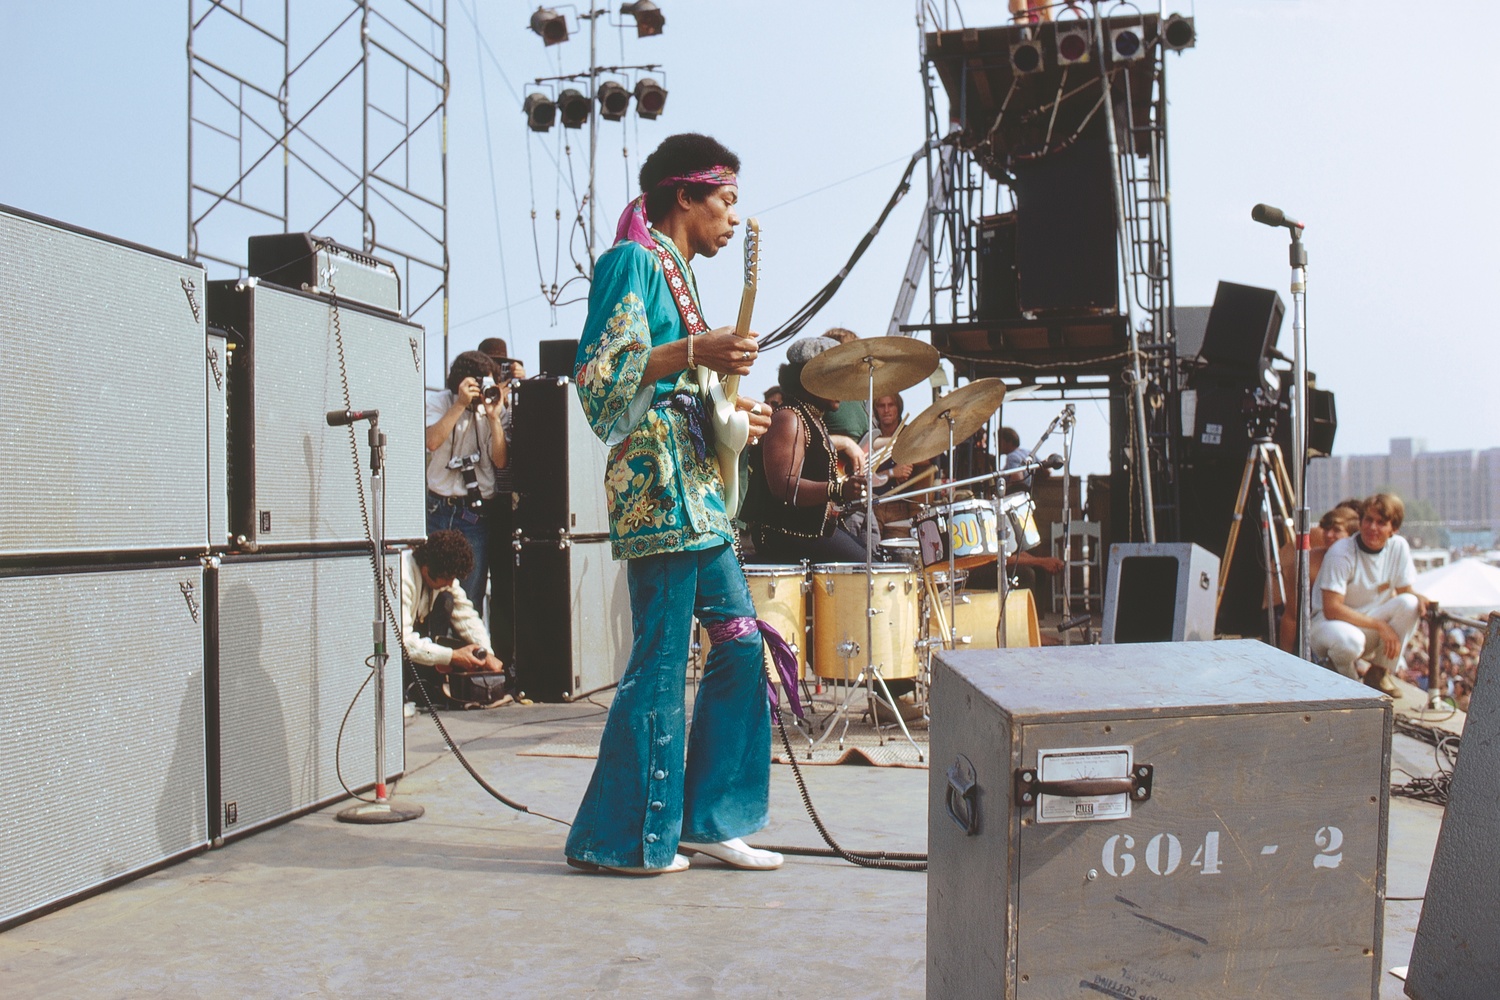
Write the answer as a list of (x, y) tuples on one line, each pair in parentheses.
[(573, 106), (552, 27), (1073, 43)]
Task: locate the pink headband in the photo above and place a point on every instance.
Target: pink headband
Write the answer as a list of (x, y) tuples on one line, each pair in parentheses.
[(633, 220)]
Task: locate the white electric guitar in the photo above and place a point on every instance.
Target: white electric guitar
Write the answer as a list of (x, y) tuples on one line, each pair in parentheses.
[(731, 425)]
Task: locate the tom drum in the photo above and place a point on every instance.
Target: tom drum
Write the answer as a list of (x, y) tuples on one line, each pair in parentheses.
[(839, 634)]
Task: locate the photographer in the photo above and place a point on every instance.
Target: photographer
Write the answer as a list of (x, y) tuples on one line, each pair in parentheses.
[(443, 635), (466, 444)]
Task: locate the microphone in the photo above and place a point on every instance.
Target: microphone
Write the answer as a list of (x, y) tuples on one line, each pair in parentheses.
[(339, 418), (1268, 215), (1053, 461)]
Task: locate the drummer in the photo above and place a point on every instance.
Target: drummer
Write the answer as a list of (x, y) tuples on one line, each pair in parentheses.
[(795, 484)]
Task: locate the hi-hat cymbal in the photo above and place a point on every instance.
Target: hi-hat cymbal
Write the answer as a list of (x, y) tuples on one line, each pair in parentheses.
[(927, 434), (843, 372)]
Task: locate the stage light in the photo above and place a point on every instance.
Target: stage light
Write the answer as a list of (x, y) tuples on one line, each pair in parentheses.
[(550, 25), (573, 108), (614, 101), (540, 110), (1178, 33), (650, 98), (1125, 44), (1026, 58), (648, 17), (1073, 44)]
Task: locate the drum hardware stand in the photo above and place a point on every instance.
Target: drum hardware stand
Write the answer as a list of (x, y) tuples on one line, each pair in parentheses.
[(1067, 420), (382, 810), (1265, 467)]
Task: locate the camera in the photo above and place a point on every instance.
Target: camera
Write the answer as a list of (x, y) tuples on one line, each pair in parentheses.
[(466, 465), (489, 392)]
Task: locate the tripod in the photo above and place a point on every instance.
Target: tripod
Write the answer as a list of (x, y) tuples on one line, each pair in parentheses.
[(1264, 467)]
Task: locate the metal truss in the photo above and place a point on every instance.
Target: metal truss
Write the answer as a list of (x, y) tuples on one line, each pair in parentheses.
[(328, 117)]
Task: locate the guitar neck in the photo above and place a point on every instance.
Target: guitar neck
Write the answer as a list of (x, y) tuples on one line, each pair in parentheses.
[(741, 328)]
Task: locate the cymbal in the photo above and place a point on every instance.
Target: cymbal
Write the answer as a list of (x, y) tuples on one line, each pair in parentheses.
[(843, 372), (970, 406)]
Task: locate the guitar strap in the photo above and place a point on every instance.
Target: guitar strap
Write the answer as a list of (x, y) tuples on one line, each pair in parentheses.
[(682, 295)]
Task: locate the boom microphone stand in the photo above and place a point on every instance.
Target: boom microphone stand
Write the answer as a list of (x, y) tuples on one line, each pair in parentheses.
[(1267, 215), (381, 810)]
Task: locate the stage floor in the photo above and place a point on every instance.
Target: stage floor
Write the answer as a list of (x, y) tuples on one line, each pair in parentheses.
[(475, 900)]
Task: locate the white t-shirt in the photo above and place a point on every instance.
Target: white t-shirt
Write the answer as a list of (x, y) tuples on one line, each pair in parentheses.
[(1364, 578), (471, 434)]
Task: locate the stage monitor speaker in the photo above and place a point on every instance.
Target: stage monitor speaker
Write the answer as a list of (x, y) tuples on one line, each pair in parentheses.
[(1161, 592), (1065, 229), (1456, 955), (103, 739), (555, 357), (292, 477), (294, 635), (1155, 820), (102, 371), (573, 625), (1322, 422), (1242, 327), (998, 294), (558, 462)]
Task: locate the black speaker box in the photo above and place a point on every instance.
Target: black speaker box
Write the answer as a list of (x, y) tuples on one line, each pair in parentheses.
[(1322, 421), (555, 357), (1065, 228), (998, 295), (1242, 326), (557, 462), (573, 627)]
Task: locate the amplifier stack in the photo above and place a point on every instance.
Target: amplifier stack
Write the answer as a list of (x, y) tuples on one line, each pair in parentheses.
[(183, 556)]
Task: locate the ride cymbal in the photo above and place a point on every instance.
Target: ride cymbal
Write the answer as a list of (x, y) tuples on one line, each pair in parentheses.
[(843, 372), (927, 434)]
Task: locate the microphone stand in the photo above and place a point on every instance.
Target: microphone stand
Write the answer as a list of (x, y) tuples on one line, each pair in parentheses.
[(1298, 257), (382, 810)]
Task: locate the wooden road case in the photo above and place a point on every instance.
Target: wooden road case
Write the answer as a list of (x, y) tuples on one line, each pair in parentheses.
[(1159, 820)]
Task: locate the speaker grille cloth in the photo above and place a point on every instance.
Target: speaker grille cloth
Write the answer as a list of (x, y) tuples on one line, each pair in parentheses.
[(101, 396), (304, 474), (294, 634), (103, 733)]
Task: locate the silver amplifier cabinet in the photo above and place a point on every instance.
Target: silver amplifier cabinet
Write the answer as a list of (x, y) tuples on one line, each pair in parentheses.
[(293, 481), (101, 394), (103, 739), (321, 266), (216, 428), (293, 636)]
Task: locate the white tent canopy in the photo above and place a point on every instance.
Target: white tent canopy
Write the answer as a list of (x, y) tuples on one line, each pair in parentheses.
[(1469, 587)]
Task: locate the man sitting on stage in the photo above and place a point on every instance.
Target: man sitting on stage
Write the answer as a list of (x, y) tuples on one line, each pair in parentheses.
[(1363, 604), (440, 630)]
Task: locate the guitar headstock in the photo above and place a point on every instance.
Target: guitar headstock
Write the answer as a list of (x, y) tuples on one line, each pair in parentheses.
[(752, 252)]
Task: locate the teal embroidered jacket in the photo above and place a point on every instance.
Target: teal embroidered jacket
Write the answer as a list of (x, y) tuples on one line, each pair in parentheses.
[(662, 497)]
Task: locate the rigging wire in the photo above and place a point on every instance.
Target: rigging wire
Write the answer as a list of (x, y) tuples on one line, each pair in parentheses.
[(489, 147)]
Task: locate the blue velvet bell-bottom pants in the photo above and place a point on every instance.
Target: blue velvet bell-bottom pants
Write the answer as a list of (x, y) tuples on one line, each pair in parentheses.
[(646, 794)]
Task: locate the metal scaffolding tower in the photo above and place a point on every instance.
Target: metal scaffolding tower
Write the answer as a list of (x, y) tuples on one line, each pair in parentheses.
[(1006, 107), (323, 117)]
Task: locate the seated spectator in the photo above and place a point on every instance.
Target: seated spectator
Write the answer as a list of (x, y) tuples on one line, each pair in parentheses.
[(442, 634), (1363, 604), (1341, 522)]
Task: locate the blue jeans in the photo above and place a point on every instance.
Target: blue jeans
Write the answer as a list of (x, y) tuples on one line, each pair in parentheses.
[(475, 527), (641, 799)]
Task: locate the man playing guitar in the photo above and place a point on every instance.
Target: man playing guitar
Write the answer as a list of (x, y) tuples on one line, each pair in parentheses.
[(637, 377)]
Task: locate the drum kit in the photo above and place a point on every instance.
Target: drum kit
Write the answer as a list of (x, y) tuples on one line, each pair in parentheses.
[(876, 622)]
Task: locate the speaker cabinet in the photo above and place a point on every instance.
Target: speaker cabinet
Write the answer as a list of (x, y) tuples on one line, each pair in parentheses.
[(573, 626), (103, 738), (293, 482), (293, 639), (558, 463), (555, 357), (216, 424), (101, 395), (998, 295), (1160, 593), (1242, 327), (1252, 866), (1456, 955), (1065, 228)]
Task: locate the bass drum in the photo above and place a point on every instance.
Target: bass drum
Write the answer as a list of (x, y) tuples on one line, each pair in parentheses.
[(974, 619), (780, 595), (839, 634)]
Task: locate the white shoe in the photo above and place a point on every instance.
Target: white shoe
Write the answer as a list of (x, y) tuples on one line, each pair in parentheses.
[(737, 853), (679, 864)]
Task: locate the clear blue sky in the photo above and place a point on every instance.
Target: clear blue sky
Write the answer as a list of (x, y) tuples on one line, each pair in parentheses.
[(1373, 126)]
